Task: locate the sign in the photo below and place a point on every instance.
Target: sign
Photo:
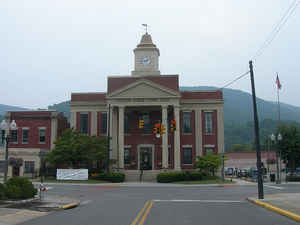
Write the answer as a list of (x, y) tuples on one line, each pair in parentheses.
[(72, 174)]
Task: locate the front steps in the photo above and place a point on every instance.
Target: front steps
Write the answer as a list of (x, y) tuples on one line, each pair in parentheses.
[(134, 175)]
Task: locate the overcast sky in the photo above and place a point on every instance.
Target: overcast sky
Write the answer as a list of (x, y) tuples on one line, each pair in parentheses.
[(51, 48)]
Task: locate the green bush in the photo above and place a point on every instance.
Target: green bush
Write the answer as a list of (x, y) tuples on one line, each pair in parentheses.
[(2, 192), (111, 177), (293, 178), (168, 177), (13, 192), (19, 188)]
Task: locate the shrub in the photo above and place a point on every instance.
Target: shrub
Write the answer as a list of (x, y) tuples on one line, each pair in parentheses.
[(168, 177), (293, 178), (19, 188), (2, 192), (13, 192), (112, 177)]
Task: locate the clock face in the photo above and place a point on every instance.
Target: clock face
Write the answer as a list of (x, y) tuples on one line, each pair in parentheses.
[(146, 60)]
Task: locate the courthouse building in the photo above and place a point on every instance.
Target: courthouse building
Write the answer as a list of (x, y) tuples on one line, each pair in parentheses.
[(146, 99)]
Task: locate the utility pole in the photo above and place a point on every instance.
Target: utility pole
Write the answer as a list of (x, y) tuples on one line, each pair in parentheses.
[(257, 142), (108, 140), (223, 178)]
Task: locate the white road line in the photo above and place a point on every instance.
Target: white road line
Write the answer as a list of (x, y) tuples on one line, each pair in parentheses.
[(194, 200), (275, 187), (85, 202)]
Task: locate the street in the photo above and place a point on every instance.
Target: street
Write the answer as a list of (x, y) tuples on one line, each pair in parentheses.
[(154, 204)]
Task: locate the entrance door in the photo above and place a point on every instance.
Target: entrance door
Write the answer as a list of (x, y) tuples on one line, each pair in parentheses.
[(146, 158), (16, 171)]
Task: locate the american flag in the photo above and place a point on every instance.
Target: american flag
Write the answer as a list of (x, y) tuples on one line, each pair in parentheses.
[(278, 82)]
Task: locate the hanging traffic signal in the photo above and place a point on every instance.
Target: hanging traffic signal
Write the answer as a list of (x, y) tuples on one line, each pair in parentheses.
[(162, 130), (173, 125), (141, 124), (157, 128)]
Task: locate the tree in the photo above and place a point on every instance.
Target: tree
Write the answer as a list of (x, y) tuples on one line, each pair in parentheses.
[(290, 145), (209, 163), (73, 148)]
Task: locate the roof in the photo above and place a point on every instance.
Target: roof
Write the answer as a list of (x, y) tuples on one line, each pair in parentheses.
[(168, 81), (250, 155), (88, 97), (32, 114), (202, 95)]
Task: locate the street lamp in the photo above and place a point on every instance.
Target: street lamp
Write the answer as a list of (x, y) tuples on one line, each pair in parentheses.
[(277, 140), (7, 127)]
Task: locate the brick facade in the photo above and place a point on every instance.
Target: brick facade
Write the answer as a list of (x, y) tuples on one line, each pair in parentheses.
[(32, 150)]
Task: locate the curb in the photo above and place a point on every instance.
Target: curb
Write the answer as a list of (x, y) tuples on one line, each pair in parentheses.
[(276, 209), (70, 205)]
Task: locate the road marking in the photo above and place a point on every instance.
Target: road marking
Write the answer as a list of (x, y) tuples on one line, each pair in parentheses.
[(275, 187), (146, 213), (85, 202), (140, 213), (195, 200)]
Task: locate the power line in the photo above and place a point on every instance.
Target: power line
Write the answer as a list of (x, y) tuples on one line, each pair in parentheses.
[(277, 28), (236, 79)]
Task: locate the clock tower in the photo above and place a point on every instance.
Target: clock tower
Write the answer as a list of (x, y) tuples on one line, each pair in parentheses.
[(146, 58)]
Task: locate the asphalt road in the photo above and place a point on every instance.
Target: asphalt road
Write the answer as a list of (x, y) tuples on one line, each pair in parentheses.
[(163, 205)]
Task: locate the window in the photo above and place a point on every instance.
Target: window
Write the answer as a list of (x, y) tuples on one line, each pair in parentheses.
[(2, 166), (103, 127), (126, 124), (29, 167), (187, 156), (209, 150), (14, 136), (25, 135), (208, 123), (84, 123), (169, 156), (187, 129), (42, 135), (127, 157), (146, 119), (2, 137)]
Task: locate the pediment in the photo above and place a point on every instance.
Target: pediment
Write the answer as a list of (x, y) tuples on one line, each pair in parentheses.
[(144, 89)]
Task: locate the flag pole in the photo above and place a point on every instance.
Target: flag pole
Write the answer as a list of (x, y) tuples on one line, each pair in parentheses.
[(278, 104)]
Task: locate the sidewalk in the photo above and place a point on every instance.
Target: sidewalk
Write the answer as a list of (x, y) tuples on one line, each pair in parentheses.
[(286, 204), (14, 212)]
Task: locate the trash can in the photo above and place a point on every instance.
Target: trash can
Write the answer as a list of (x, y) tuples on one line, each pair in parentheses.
[(272, 177)]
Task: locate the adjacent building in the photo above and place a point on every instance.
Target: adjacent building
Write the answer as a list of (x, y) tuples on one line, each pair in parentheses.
[(137, 104), (34, 138)]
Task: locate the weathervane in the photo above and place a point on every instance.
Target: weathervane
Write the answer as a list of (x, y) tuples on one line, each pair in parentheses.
[(146, 26)]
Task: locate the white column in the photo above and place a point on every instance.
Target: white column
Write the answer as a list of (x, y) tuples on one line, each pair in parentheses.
[(73, 120), (121, 137), (94, 123), (114, 132), (220, 129), (164, 117), (177, 164), (198, 131), (53, 129)]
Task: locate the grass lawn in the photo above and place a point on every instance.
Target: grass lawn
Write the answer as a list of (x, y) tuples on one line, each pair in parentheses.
[(209, 181), (75, 181)]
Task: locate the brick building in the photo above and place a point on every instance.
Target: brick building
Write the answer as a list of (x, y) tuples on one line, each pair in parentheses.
[(34, 138), (245, 160), (155, 100)]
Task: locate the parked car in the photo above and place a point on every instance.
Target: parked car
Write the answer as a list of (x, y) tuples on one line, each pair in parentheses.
[(228, 171)]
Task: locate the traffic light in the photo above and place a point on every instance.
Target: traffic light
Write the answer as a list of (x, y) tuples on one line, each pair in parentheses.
[(156, 129), (162, 130), (141, 124), (173, 125)]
